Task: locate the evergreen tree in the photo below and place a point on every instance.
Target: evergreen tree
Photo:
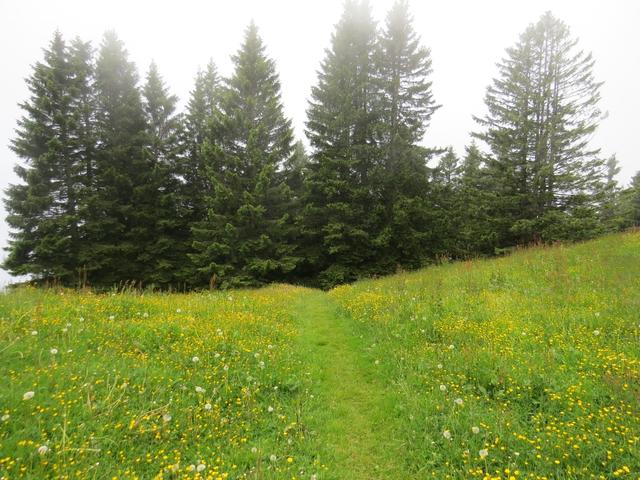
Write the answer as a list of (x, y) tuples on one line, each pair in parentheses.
[(52, 139), (630, 203), (242, 241), (121, 207), (168, 250), (542, 112), (203, 111), (405, 109), (611, 214), (342, 205)]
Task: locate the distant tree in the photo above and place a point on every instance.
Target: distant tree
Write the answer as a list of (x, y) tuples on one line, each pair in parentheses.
[(542, 113), (242, 241), (203, 112), (167, 252), (121, 211), (54, 140), (342, 204), (611, 214), (404, 112), (630, 203)]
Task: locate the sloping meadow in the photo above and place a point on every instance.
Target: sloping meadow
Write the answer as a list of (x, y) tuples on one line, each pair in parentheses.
[(150, 386), (521, 367)]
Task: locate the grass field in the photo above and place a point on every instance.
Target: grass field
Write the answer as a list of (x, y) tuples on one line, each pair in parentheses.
[(521, 367)]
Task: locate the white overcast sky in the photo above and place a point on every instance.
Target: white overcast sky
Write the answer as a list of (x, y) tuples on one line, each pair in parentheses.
[(466, 39)]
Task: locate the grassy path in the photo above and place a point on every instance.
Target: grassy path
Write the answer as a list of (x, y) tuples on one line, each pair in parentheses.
[(352, 411)]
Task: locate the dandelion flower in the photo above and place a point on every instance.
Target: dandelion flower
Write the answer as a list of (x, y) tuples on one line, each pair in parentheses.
[(458, 401), (273, 458), (483, 453), (166, 418), (226, 368), (112, 317), (5, 417), (596, 332), (254, 450), (42, 450), (440, 366), (270, 409), (290, 460), (200, 390), (191, 468), (178, 310), (207, 406), (452, 346), (195, 359), (447, 434), (201, 467), (261, 364), (34, 332), (443, 388), (28, 395), (475, 429), (53, 351), (270, 347)]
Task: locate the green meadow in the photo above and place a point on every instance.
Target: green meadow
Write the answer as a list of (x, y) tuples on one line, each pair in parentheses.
[(526, 366)]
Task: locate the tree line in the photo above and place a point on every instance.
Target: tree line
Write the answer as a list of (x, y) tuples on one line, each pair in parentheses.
[(117, 186)]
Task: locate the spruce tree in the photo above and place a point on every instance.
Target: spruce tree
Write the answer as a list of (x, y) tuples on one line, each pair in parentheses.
[(121, 206), (203, 111), (342, 204), (167, 252), (406, 107), (45, 210), (242, 241), (542, 110)]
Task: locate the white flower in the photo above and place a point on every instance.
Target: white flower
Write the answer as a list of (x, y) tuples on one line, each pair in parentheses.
[(81, 319), (270, 347), (145, 315), (447, 434), (191, 468), (270, 409), (377, 362), (42, 450), (273, 458), (261, 364), (166, 418), (65, 330), (452, 346), (178, 310), (53, 351), (34, 333), (226, 368), (314, 477), (5, 417), (483, 453), (195, 359), (112, 317), (217, 355), (254, 450), (458, 401), (68, 324), (207, 406), (200, 467), (596, 332), (219, 332), (440, 366), (443, 388), (475, 429), (28, 395), (256, 355), (200, 390)]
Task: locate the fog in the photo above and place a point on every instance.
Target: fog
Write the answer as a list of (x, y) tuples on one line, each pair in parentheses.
[(466, 39)]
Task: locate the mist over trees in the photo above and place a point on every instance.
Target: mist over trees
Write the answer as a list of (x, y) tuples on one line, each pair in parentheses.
[(118, 186)]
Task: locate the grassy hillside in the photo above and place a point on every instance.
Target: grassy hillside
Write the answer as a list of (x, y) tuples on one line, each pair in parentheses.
[(520, 367)]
